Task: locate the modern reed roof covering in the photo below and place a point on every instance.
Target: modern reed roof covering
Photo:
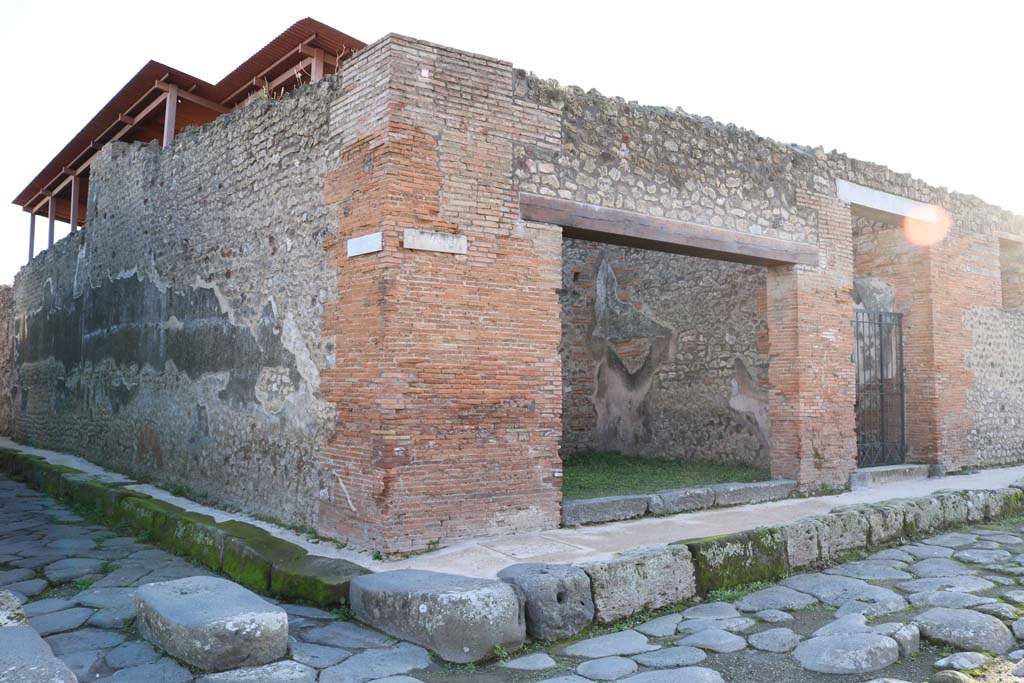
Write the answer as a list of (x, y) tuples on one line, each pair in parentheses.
[(133, 113)]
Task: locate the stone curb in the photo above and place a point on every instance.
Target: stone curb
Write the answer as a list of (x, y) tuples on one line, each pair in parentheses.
[(672, 501), (242, 552)]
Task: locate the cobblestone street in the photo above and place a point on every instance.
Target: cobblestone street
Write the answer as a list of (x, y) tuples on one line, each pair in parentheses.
[(906, 613)]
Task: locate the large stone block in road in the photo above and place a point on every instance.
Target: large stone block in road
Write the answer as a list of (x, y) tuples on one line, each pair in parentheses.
[(559, 603), (965, 629), (640, 579), (26, 658), (459, 618), (211, 623)]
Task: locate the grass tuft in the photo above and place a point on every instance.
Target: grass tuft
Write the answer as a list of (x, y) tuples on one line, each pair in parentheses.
[(593, 474)]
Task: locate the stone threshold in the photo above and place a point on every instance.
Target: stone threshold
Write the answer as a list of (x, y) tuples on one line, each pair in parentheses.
[(577, 512), (243, 552)]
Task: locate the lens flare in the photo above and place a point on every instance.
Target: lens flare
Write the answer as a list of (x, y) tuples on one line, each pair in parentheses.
[(927, 225)]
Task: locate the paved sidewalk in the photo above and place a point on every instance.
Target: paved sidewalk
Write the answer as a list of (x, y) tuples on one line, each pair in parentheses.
[(485, 557)]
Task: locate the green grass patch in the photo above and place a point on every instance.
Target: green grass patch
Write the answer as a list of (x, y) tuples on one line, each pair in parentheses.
[(594, 474)]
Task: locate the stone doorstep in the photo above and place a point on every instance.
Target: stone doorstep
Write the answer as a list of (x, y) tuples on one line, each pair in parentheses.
[(866, 477), (672, 501), (244, 553)]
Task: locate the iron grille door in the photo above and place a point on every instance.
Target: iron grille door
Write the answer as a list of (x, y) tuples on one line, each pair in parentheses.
[(878, 352)]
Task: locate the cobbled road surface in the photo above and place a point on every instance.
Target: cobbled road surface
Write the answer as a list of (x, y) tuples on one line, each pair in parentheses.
[(954, 598)]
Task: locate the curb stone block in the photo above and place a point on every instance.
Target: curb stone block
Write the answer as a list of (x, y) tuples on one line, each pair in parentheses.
[(923, 515), (844, 530), (673, 501), (608, 509), (801, 539), (250, 554), (955, 508), (321, 581), (459, 618), (752, 492), (885, 523), (641, 579), (739, 559), (1003, 503)]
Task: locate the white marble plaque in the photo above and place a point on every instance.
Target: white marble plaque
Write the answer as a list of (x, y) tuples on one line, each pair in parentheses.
[(366, 244), (434, 241)]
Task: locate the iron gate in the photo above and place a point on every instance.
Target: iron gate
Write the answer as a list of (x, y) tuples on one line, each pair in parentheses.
[(878, 352)]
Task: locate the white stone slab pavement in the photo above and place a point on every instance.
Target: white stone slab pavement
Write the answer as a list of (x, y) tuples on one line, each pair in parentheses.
[(485, 557)]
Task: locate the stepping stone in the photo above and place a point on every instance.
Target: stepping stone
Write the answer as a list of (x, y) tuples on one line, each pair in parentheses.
[(951, 540), (26, 658), (71, 569), (774, 640), (981, 556), (621, 643), (1016, 597), (961, 584), (113, 617), (851, 623), (606, 668), (711, 610), (850, 653), (773, 616), (29, 588), (132, 653), (278, 672), (984, 545), (462, 619), (1004, 538), (715, 640), (948, 599), (1001, 580), (346, 634), (211, 623), (938, 567), (925, 552), (164, 670), (775, 598), (962, 661), (687, 674), (380, 663), (84, 639), (872, 570), (660, 627), (559, 603), (671, 657), (317, 656), (538, 661), (70, 546), (965, 629), (57, 622)]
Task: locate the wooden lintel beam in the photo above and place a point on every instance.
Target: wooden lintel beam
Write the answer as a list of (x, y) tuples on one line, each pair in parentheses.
[(627, 228), (195, 99)]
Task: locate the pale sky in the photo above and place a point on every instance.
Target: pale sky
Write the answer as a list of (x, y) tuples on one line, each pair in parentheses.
[(934, 88)]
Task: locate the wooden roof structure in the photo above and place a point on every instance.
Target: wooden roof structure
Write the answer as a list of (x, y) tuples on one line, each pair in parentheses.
[(159, 101)]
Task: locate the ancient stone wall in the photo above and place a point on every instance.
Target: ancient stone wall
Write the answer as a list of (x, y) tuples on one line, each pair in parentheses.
[(178, 336), (8, 374), (663, 355)]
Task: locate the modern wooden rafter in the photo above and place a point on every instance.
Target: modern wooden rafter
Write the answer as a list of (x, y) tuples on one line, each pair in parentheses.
[(627, 228), (160, 102)]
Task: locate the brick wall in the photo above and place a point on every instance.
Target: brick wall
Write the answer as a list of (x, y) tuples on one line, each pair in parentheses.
[(453, 358)]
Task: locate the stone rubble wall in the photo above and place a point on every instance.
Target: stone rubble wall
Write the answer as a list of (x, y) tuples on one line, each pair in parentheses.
[(178, 336), (8, 372)]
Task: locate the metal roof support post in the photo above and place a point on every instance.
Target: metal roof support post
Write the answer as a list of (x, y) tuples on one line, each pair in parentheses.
[(170, 113), (75, 183), (31, 236), (52, 215)]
